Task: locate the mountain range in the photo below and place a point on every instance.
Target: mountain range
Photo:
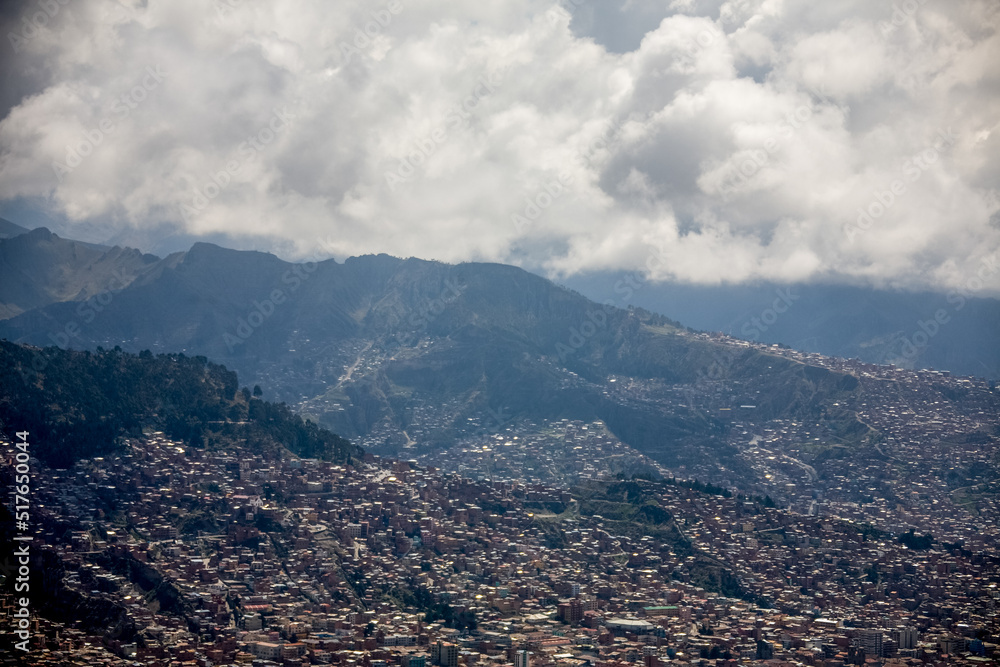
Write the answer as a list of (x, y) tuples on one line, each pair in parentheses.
[(406, 355), (875, 326), (39, 268)]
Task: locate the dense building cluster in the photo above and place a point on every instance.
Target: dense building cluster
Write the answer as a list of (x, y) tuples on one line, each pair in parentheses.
[(562, 453), (183, 556)]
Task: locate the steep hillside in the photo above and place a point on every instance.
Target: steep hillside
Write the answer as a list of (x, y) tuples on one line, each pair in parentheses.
[(8, 229), (398, 352), (80, 404), (877, 326), (40, 268)]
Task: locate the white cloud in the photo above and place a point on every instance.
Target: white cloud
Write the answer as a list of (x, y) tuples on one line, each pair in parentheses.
[(742, 139)]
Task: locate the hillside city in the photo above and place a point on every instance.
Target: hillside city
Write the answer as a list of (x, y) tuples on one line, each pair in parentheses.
[(536, 333), (935, 453), (165, 554)]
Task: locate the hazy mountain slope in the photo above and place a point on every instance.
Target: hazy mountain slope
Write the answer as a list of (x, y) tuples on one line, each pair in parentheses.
[(383, 345), (877, 326), (40, 268), (9, 229)]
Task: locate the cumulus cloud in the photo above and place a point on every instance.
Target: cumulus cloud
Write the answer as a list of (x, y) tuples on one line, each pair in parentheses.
[(735, 141)]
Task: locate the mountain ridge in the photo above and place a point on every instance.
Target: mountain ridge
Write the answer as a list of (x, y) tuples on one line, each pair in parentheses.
[(41, 268), (377, 347), (411, 357), (875, 326)]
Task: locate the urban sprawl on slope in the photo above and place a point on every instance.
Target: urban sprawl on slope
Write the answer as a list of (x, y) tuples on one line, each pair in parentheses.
[(183, 556)]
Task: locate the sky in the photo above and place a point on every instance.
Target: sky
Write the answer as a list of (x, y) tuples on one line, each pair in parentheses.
[(701, 141)]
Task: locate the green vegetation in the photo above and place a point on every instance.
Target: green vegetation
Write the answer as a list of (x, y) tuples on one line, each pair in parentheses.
[(629, 508), (460, 620), (82, 404), (913, 541)]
